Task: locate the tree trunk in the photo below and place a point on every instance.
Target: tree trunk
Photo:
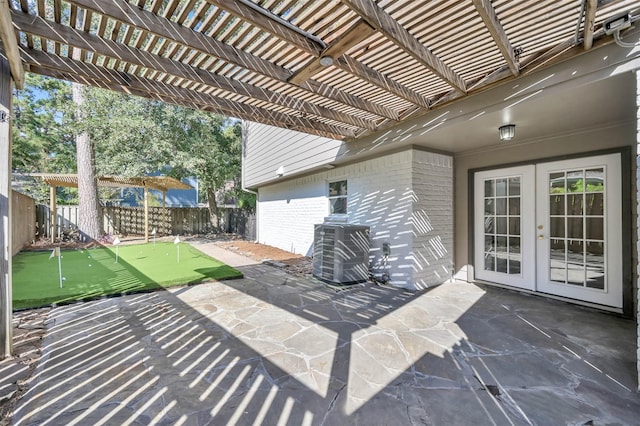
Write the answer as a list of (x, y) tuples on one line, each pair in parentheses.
[(213, 209), (88, 205)]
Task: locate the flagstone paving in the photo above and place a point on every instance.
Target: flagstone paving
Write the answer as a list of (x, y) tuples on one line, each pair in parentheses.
[(273, 348)]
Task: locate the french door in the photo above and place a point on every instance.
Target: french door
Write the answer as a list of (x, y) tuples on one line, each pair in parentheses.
[(553, 227)]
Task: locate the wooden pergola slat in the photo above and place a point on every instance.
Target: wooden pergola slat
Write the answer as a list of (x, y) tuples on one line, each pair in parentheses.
[(263, 19), (10, 44), (384, 23), (162, 27), (488, 15), (72, 37), (123, 82)]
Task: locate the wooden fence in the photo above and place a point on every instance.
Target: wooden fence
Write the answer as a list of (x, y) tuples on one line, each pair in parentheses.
[(23, 221), (130, 221)]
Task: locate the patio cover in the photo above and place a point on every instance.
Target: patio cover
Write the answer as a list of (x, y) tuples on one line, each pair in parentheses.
[(160, 183), (340, 69)]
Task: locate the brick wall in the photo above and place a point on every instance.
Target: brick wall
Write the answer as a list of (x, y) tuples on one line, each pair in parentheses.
[(432, 218), (287, 212), (395, 195)]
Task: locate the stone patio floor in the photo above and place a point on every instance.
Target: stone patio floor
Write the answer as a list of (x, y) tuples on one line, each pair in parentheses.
[(277, 349)]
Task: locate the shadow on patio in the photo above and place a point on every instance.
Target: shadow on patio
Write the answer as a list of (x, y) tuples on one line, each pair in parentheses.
[(278, 349)]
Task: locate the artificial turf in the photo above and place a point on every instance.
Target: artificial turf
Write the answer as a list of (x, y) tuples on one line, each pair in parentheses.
[(94, 273)]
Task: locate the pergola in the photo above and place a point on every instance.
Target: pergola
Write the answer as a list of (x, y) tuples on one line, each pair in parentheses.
[(342, 69), (159, 183)]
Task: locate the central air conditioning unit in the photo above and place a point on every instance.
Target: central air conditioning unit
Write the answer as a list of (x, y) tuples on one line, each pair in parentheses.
[(341, 253)]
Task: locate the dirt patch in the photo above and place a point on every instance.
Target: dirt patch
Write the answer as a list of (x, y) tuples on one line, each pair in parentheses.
[(292, 263)]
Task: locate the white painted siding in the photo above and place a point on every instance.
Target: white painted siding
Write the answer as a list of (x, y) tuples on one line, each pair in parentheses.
[(267, 148), (381, 196)]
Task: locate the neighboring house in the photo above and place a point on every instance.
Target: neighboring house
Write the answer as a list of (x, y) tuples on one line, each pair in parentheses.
[(133, 197), (549, 211)]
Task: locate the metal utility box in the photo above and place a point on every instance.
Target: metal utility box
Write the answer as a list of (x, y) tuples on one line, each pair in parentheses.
[(341, 253)]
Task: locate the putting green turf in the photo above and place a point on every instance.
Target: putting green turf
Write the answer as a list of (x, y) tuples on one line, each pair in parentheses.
[(93, 273)]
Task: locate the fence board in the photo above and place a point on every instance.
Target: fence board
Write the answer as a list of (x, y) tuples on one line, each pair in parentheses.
[(130, 220), (23, 220)]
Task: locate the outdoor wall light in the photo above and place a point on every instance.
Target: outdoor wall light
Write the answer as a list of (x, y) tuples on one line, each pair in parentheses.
[(507, 132), (326, 61), (280, 171), (4, 117)]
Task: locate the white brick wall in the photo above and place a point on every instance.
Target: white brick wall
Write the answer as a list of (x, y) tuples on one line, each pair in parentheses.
[(287, 212), (405, 198), (432, 218), (380, 197)]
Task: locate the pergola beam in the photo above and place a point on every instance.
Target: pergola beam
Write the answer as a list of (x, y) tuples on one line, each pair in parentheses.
[(394, 31), (74, 38), (488, 14), (129, 14), (354, 35), (589, 23), (359, 32), (86, 73), (270, 23), (10, 44)]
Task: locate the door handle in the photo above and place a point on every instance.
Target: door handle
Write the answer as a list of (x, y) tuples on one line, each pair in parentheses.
[(541, 237)]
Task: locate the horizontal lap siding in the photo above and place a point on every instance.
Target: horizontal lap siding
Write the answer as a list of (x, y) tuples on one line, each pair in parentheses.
[(267, 148)]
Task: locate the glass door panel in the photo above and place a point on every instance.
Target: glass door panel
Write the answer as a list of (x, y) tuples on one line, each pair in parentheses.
[(579, 242), (505, 199)]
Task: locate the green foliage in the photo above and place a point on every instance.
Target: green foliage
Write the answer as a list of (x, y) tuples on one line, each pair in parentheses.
[(132, 136), (42, 138), (577, 186)]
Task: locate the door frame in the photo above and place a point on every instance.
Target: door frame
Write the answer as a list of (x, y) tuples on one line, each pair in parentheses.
[(627, 235)]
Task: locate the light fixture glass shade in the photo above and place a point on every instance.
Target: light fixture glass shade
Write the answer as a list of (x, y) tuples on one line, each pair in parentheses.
[(507, 132), (326, 61)]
